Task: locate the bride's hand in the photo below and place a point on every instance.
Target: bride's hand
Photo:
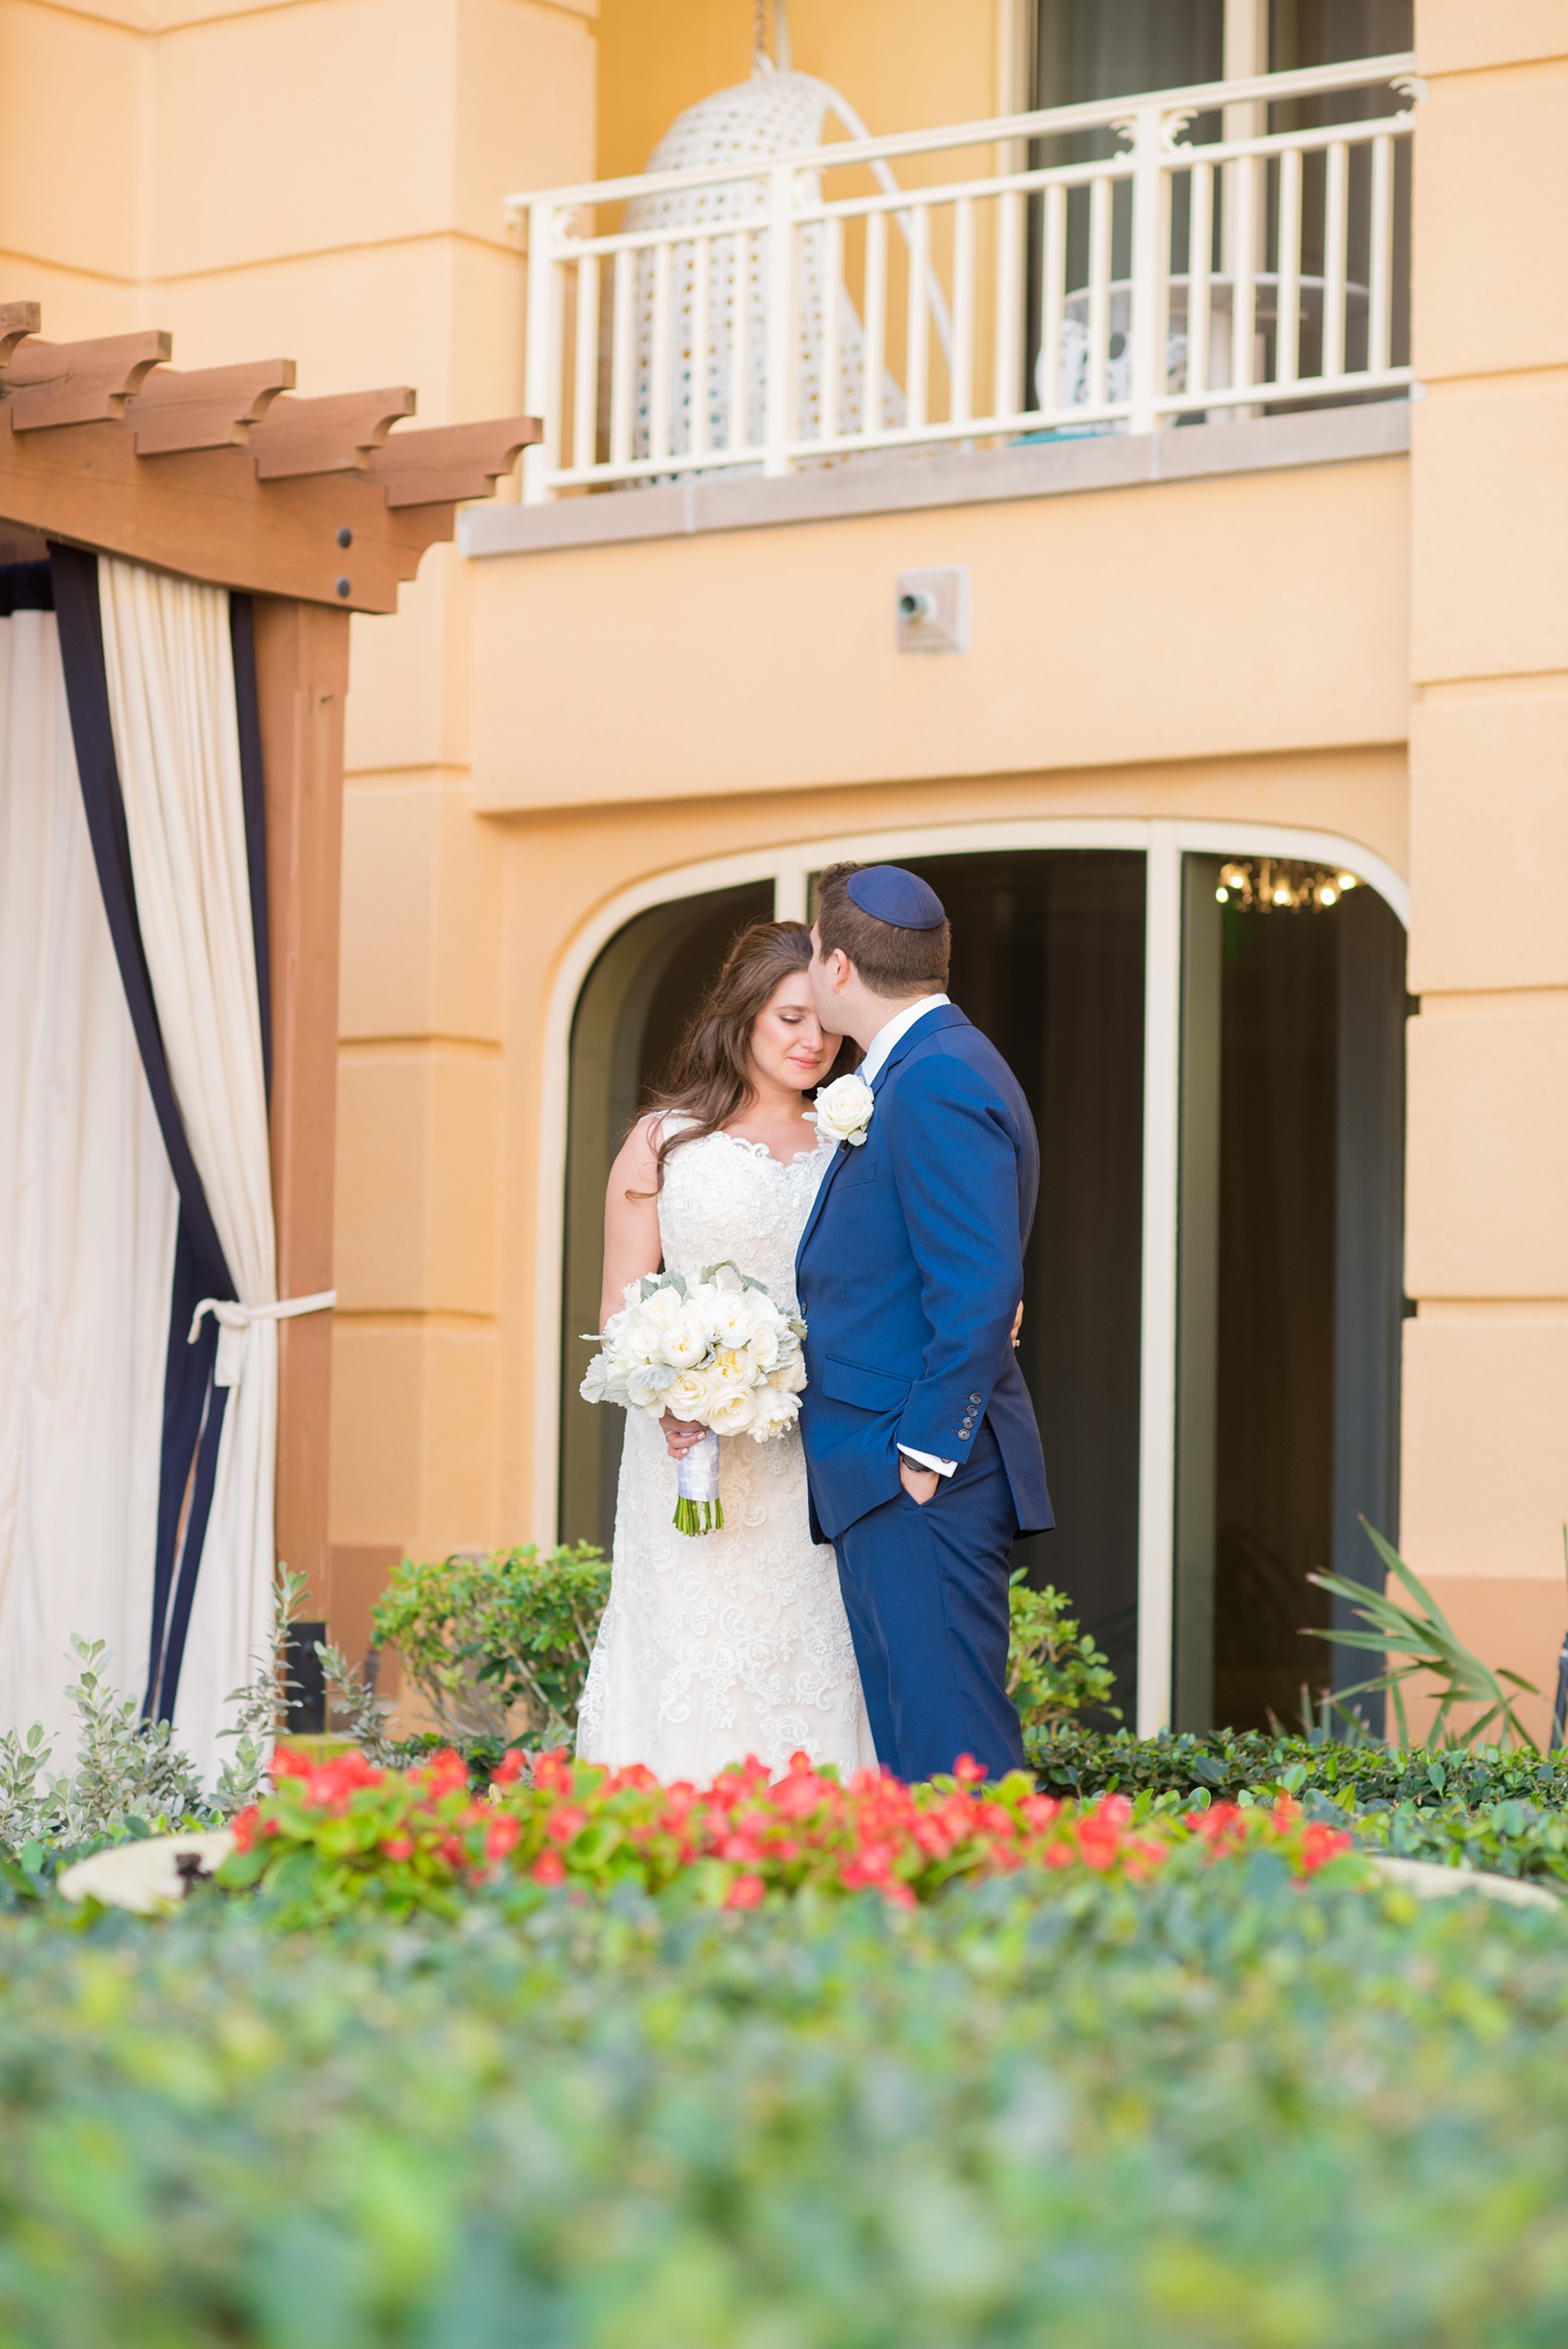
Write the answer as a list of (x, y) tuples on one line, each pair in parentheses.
[(680, 1435)]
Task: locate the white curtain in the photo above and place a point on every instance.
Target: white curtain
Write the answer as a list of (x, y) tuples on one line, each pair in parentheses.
[(88, 1215), (169, 665)]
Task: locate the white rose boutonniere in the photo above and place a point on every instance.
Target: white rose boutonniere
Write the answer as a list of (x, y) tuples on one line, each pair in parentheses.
[(843, 1111)]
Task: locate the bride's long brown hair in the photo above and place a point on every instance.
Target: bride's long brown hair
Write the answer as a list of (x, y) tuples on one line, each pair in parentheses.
[(709, 1079)]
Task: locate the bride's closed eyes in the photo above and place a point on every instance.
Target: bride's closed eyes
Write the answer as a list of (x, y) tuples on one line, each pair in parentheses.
[(789, 1046)]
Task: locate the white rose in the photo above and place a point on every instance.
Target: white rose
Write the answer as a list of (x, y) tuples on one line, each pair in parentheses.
[(688, 1395), (844, 1110), (734, 1319), (717, 1309), (662, 1307), (731, 1414), (685, 1341), (790, 1378), (774, 1413), (729, 1373), (762, 1345), (638, 1338), (647, 1385)]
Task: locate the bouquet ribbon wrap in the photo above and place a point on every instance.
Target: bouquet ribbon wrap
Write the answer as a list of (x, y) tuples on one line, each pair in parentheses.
[(699, 1509)]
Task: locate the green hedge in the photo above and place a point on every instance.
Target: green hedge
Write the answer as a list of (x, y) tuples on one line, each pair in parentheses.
[(1077, 1760), (1504, 1809), (1254, 2116)]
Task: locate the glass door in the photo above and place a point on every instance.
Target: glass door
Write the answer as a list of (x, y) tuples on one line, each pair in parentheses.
[(1288, 1275)]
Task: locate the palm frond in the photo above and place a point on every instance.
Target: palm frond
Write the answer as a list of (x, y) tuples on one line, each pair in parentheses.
[(1422, 1635)]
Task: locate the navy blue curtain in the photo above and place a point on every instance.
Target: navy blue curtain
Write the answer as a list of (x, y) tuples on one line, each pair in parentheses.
[(193, 1405), (25, 587)]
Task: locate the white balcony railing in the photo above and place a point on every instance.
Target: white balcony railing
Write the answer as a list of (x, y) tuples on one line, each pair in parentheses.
[(743, 318)]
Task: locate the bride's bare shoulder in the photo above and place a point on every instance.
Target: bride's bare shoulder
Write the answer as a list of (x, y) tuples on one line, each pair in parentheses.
[(636, 1162)]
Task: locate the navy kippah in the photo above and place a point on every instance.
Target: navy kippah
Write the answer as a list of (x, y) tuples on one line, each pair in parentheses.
[(897, 897)]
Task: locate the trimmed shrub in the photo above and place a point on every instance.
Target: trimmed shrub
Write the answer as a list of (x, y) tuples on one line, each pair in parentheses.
[(498, 1646), (1222, 2111)]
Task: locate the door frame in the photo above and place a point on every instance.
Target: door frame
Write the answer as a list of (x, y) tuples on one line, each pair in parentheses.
[(1163, 841)]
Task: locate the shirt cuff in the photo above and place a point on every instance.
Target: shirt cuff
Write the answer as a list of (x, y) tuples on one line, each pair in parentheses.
[(929, 1460)]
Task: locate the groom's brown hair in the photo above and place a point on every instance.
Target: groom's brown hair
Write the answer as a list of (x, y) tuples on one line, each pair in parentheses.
[(891, 961)]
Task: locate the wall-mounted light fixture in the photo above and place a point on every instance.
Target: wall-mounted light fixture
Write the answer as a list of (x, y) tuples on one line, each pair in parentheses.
[(933, 609)]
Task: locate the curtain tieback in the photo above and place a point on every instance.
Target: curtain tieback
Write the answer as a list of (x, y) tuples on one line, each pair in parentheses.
[(233, 1320)]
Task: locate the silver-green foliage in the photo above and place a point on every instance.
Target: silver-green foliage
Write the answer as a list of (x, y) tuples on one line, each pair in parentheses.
[(126, 1769), (23, 1762), (354, 1708), (130, 1775), (260, 1704)]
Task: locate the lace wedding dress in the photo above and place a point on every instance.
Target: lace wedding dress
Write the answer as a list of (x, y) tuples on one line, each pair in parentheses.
[(725, 1644)]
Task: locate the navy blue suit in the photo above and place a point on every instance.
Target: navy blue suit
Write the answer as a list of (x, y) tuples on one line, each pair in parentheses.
[(909, 1271)]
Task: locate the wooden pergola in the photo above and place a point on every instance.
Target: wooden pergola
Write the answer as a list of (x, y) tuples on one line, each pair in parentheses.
[(318, 509)]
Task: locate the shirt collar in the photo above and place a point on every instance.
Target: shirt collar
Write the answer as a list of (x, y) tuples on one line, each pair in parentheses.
[(897, 1028)]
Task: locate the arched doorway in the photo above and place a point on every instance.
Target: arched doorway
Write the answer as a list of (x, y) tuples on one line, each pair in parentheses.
[(1213, 1285), (628, 1020)]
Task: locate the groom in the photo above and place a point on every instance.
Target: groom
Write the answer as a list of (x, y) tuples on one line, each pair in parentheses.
[(922, 1456)]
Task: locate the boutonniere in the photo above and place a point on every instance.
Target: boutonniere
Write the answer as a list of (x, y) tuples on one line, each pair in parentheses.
[(843, 1111)]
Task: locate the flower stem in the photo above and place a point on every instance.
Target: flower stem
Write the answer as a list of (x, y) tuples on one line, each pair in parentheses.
[(698, 1517)]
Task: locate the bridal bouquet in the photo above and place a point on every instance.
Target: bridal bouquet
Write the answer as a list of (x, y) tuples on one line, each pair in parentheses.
[(717, 1350)]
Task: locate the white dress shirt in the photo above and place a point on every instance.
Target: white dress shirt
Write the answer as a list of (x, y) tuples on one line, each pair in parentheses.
[(897, 1028), (870, 1067)]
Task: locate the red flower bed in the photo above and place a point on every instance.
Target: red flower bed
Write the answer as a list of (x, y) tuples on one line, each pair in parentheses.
[(336, 1833)]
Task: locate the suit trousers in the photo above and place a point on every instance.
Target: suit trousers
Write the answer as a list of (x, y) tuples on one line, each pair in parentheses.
[(925, 1591)]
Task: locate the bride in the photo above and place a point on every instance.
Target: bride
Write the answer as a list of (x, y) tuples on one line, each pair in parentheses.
[(734, 1642)]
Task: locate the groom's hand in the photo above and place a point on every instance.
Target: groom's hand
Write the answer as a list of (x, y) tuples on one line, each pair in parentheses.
[(920, 1484)]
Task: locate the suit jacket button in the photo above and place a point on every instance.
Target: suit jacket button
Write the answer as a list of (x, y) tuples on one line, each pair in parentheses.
[(974, 1399)]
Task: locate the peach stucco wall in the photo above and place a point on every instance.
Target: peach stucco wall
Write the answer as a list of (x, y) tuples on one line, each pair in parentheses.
[(1176, 621), (1486, 1366)]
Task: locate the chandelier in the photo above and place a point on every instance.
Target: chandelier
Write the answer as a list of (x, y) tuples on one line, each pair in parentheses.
[(1281, 885)]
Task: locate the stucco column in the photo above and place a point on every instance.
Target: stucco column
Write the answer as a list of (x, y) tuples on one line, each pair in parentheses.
[(1485, 1466)]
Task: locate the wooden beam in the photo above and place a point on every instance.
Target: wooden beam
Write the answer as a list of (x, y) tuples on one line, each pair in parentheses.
[(302, 659), (18, 320), (450, 461), (219, 474), (204, 407), (204, 514), (301, 436), (47, 384)]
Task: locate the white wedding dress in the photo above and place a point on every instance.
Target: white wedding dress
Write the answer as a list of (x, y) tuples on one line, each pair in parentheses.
[(721, 1645)]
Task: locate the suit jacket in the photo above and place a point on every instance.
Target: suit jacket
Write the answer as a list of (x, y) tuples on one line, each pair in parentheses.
[(909, 1271)]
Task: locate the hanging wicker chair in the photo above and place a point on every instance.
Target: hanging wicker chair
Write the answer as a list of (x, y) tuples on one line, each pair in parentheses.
[(772, 114)]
